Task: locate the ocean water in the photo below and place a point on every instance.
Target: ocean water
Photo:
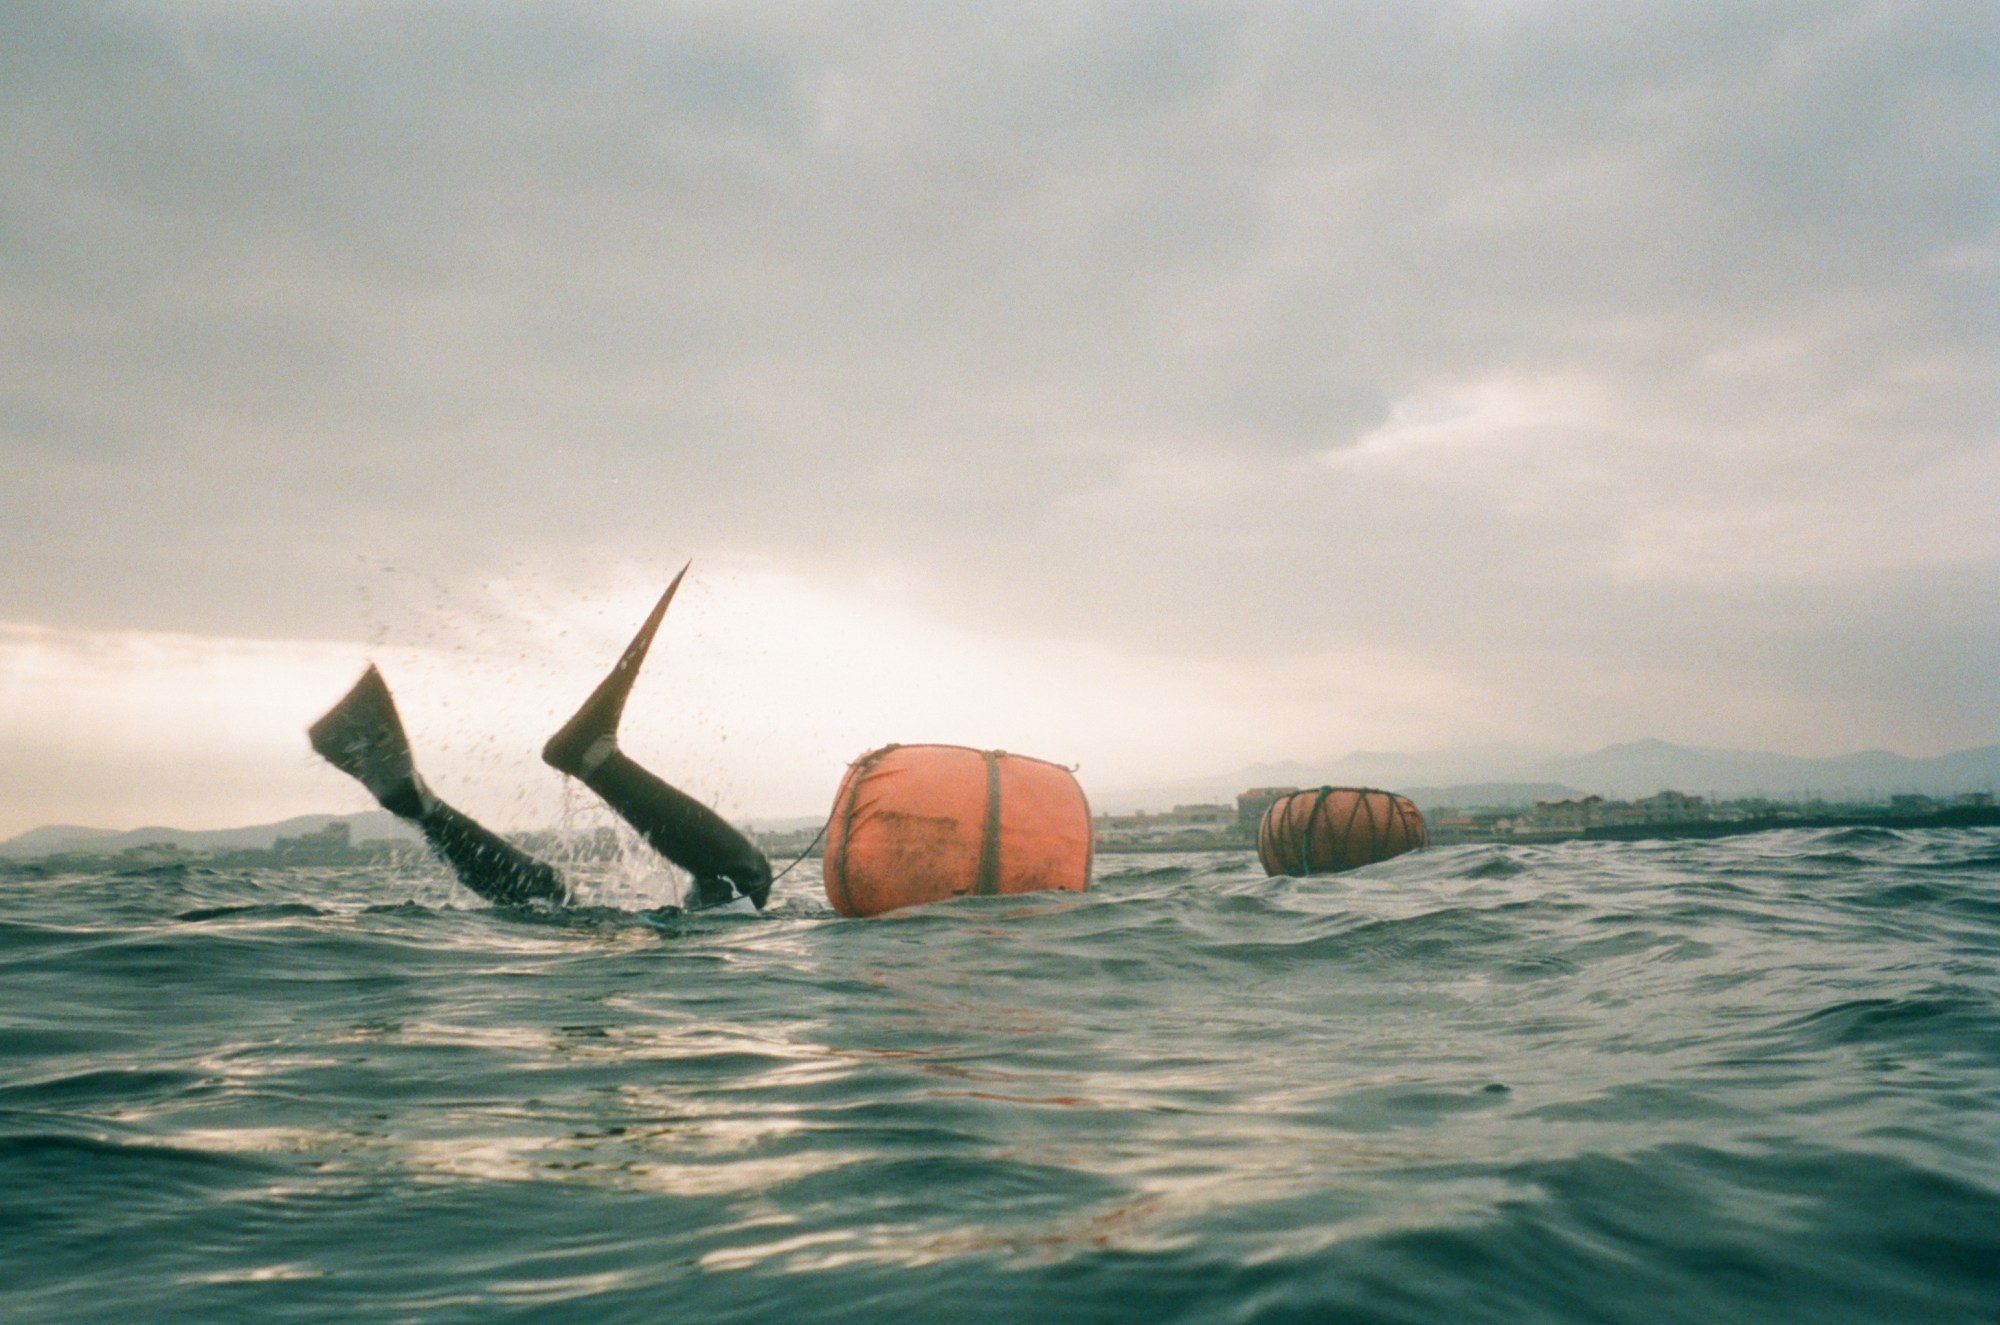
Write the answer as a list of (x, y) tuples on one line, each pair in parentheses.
[(1753, 1079)]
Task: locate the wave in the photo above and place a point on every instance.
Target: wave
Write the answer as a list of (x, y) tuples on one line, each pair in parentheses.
[(1729, 1079)]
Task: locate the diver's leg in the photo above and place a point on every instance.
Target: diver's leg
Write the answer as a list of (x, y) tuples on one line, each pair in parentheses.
[(485, 862), (362, 736), (673, 823), (682, 829)]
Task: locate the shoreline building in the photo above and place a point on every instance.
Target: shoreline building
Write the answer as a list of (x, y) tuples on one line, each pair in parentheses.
[(1251, 804)]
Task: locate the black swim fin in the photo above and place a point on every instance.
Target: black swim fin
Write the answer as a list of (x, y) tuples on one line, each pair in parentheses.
[(363, 737), (570, 749)]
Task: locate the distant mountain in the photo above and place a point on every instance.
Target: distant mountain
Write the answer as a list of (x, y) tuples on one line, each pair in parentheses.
[(54, 837), (1641, 768), (374, 825), (793, 824), (1484, 795), (1502, 775)]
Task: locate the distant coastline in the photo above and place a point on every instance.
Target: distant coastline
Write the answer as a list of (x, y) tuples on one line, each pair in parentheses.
[(1949, 818), (381, 839), (1955, 816)]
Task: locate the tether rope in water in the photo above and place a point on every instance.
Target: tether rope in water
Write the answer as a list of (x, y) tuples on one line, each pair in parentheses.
[(709, 906)]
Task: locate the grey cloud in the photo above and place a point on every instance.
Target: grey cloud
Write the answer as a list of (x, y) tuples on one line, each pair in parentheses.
[(938, 288)]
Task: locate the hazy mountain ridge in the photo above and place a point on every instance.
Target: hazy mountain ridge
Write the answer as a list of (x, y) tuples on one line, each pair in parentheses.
[(371, 825), (1505, 774), (367, 826)]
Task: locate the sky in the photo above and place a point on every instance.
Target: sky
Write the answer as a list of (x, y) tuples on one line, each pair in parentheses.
[(1153, 388)]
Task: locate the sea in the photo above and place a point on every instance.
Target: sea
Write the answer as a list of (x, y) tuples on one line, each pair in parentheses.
[(1753, 1079)]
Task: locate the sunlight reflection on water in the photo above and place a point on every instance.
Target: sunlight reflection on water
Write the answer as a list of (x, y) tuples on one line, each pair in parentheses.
[(1191, 1085)]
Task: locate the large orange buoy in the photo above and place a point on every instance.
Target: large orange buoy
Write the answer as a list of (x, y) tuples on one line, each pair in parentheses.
[(923, 823), (1337, 828)]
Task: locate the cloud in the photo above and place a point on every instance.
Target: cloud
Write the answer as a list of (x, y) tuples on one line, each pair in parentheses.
[(1532, 342)]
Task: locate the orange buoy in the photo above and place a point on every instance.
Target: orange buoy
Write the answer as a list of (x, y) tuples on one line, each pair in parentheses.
[(1337, 828), (923, 823)]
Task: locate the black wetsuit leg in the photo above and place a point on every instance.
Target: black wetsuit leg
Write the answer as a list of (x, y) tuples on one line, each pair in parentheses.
[(683, 830), (363, 737), (484, 861)]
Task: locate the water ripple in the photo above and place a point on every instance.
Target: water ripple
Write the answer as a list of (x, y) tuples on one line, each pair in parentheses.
[(1737, 1079)]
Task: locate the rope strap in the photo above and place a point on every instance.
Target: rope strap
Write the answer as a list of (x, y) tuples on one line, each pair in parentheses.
[(989, 839)]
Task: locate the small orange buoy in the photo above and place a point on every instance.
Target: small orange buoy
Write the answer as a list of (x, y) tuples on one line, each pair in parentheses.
[(1337, 828), (923, 823)]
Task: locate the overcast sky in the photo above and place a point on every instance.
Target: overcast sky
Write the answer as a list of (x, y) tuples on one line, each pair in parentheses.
[(1154, 388)]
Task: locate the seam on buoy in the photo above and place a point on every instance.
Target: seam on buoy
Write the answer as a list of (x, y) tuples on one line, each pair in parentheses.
[(1312, 831), (859, 774), (989, 842), (1089, 836), (1361, 802)]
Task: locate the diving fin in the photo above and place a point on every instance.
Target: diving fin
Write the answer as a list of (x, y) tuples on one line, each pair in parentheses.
[(363, 737), (590, 736)]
